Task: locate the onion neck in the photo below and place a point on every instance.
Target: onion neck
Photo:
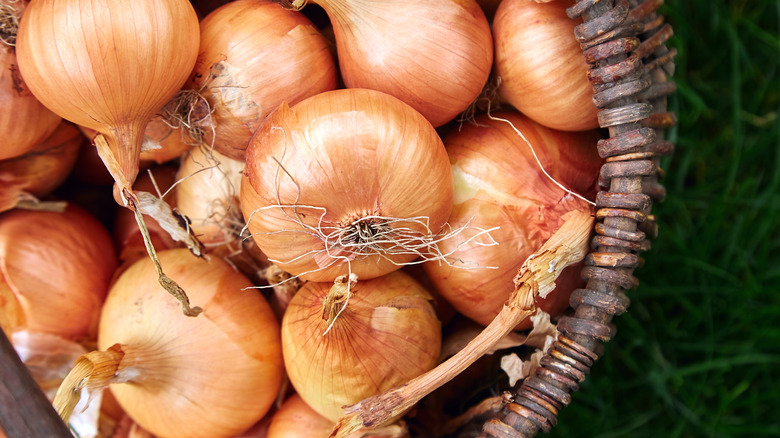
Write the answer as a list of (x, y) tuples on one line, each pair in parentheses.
[(122, 153)]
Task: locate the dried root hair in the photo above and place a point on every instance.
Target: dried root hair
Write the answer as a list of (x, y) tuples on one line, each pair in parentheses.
[(487, 99), (9, 22)]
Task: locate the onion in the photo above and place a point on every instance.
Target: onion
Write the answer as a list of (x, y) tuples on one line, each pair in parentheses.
[(207, 193), (296, 419), (42, 170), (382, 332), (108, 67), (254, 55), (25, 122), (56, 269), (349, 180), (543, 73), (499, 183), (434, 55), (211, 376)]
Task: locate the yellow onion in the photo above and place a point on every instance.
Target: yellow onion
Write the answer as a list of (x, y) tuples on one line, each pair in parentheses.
[(254, 55), (41, 170), (499, 183), (207, 192), (434, 55), (108, 66), (212, 376), (350, 180), (380, 333), (25, 122), (56, 269), (543, 73), (296, 419)]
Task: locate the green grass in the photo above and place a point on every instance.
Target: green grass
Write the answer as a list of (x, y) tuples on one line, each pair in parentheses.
[(698, 353)]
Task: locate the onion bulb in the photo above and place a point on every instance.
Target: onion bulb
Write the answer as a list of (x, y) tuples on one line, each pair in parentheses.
[(254, 55), (434, 55), (380, 333), (543, 73), (296, 419), (25, 122), (41, 170), (211, 376), (56, 269), (499, 183), (351, 180), (108, 66)]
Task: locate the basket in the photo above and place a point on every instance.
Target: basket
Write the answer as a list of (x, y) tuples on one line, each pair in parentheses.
[(623, 42)]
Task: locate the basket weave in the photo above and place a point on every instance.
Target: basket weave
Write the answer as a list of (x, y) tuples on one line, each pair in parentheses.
[(623, 42)]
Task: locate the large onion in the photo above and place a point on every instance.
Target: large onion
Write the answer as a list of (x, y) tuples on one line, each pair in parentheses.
[(434, 55), (386, 334), (543, 73), (254, 55), (56, 269), (499, 183), (211, 376), (348, 179)]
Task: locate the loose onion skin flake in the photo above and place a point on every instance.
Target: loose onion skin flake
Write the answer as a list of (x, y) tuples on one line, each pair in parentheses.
[(386, 334), (543, 73), (254, 55), (434, 55), (346, 181), (499, 183)]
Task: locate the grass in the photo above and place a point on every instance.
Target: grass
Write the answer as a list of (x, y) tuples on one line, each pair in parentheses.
[(698, 353)]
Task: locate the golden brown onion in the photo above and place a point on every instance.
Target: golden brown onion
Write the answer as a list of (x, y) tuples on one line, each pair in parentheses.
[(350, 179), (387, 334), (211, 376), (254, 55), (543, 73), (108, 66), (58, 267), (498, 183), (434, 55), (296, 419)]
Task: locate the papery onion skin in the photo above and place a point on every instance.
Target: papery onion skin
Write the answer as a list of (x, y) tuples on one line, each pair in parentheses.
[(254, 55), (434, 55), (108, 67), (498, 183), (211, 376), (43, 169), (543, 73), (353, 153), (387, 335), (59, 266), (25, 122), (296, 419)]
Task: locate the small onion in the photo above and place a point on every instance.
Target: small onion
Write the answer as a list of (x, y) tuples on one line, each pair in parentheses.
[(25, 122), (296, 419), (384, 335), (498, 183), (254, 55), (108, 66), (211, 376), (350, 180), (543, 73), (42, 170), (434, 55), (57, 267)]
